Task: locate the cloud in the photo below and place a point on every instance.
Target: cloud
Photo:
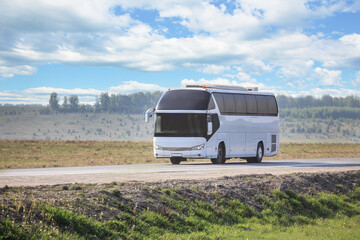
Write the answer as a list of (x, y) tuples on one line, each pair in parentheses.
[(356, 82), (62, 91), (134, 86), (9, 72), (242, 40), (327, 77), (316, 92)]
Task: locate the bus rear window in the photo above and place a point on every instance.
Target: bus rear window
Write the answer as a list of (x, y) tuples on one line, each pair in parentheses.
[(184, 100)]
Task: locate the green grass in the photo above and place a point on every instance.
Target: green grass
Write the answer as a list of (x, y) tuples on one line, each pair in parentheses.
[(35, 154), (281, 215), (342, 227)]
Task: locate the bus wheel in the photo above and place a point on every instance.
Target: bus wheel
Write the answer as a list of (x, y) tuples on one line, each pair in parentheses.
[(259, 154), (175, 160), (220, 155)]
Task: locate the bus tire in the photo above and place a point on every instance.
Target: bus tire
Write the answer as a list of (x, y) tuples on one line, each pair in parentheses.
[(176, 160), (259, 154), (220, 159)]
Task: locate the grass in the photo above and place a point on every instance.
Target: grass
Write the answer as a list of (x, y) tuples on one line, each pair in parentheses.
[(280, 215), (338, 228), (317, 150), (35, 154)]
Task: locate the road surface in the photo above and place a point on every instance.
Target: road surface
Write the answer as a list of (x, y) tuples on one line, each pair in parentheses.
[(160, 172)]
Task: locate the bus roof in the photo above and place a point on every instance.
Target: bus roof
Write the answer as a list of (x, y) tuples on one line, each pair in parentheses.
[(224, 89)]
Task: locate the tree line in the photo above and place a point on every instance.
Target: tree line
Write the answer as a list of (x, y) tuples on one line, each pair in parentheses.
[(310, 101), (320, 112), (114, 103), (136, 103)]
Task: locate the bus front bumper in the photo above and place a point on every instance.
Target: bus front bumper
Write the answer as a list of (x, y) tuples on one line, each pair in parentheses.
[(165, 147)]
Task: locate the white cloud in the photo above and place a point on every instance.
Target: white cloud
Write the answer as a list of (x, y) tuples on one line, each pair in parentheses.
[(258, 37), (62, 91), (327, 77), (215, 69), (356, 82), (208, 68), (256, 66), (9, 72), (134, 86), (244, 77), (316, 92)]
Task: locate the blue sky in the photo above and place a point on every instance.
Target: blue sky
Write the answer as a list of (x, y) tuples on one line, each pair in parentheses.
[(86, 47)]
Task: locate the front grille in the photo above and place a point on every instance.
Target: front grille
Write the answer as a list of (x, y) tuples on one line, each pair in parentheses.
[(176, 149)]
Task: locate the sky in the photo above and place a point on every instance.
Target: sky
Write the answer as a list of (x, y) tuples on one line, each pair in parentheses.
[(87, 47)]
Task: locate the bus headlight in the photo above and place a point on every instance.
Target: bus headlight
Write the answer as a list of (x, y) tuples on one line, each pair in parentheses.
[(157, 147), (198, 147)]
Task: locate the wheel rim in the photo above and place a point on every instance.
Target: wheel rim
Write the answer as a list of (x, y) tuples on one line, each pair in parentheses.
[(260, 152), (220, 155)]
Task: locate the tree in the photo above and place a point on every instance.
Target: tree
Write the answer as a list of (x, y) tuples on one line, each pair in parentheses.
[(327, 100), (74, 103), (97, 105), (65, 104), (54, 101), (105, 102)]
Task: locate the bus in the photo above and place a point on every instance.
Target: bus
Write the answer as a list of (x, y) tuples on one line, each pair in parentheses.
[(217, 122)]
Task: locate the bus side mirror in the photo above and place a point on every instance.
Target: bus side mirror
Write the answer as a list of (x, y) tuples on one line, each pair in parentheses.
[(149, 113), (209, 125)]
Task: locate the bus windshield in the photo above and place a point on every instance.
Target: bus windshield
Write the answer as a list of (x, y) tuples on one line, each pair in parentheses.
[(184, 100), (180, 125)]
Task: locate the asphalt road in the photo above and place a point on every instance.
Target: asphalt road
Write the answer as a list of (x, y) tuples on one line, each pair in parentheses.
[(161, 172)]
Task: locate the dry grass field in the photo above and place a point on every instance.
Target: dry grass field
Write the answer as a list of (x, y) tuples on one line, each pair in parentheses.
[(35, 154)]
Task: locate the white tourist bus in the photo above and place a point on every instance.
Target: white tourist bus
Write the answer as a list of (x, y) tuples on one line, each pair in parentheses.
[(216, 122)]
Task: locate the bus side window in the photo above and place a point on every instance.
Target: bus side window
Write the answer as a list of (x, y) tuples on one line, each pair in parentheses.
[(211, 103), (272, 106), (240, 104), (229, 103), (262, 107), (220, 101), (251, 104)]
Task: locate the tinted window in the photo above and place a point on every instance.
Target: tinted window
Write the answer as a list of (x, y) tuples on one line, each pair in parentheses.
[(251, 104), (272, 106), (219, 101), (240, 104), (180, 125), (211, 103), (229, 103), (261, 105), (184, 100)]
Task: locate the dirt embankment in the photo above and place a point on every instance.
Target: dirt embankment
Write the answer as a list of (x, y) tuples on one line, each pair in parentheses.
[(106, 200)]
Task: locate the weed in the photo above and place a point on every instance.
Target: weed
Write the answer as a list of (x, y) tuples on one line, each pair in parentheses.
[(113, 183), (76, 187), (116, 193)]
